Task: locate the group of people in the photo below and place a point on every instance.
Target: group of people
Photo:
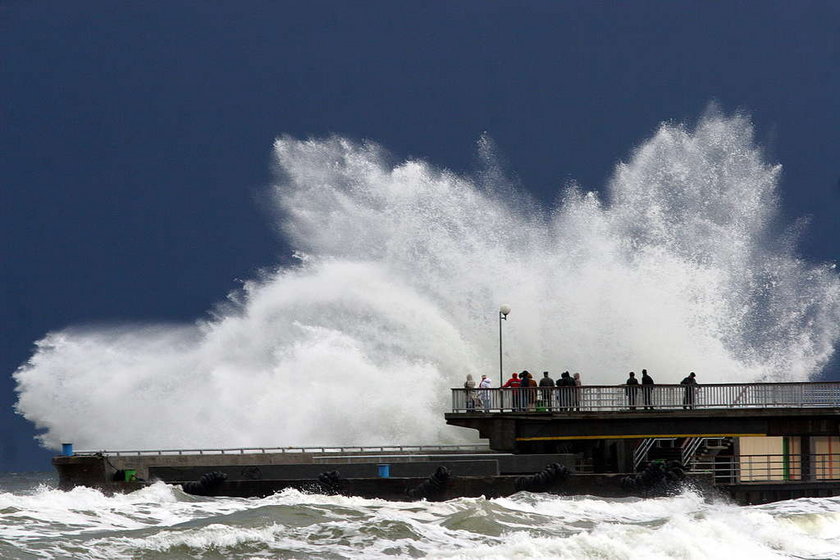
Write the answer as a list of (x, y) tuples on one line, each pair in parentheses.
[(538, 395), (474, 401), (632, 387), (563, 394), (566, 398), (647, 384), (647, 388)]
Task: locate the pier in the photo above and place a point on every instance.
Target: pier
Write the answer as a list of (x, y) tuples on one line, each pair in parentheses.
[(756, 442), (744, 435)]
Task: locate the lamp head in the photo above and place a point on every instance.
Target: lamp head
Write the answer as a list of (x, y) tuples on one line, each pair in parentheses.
[(504, 310)]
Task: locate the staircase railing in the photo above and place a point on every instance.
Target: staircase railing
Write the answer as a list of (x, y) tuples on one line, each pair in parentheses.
[(689, 450), (641, 452)]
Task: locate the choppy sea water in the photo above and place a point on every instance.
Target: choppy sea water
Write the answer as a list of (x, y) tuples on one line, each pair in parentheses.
[(39, 521)]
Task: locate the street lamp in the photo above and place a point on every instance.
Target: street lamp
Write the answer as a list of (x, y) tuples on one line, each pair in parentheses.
[(503, 313)]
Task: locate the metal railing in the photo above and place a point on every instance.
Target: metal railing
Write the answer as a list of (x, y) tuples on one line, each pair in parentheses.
[(689, 449), (651, 397), (641, 452), (290, 450), (732, 469)]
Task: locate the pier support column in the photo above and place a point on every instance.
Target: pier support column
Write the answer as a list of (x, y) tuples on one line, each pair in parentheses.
[(624, 454)]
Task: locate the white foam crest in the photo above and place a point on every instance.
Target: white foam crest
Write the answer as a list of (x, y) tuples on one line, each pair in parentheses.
[(802, 506), (600, 510), (402, 268), (706, 533), (291, 497), (50, 512), (356, 528), (214, 536), (679, 527)]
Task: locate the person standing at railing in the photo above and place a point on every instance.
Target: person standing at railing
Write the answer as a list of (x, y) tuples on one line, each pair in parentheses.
[(469, 394), (647, 389), (576, 395), (545, 393), (565, 388), (484, 393), (513, 385), (690, 385), (531, 391), (632, 386)]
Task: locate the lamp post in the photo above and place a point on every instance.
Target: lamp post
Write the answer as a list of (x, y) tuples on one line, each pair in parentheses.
[(503, 313)]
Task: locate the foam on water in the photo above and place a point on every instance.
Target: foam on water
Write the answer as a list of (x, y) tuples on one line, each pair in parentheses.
[(85, 509), (162, 522), (682, 266)]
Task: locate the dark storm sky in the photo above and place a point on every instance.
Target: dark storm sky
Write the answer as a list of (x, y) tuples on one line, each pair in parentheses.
[(135, 137)]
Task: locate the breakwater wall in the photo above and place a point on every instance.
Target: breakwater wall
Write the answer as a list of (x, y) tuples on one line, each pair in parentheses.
[(408, 476)]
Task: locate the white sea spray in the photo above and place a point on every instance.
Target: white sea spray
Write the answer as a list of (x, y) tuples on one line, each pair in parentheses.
[(682, 265)]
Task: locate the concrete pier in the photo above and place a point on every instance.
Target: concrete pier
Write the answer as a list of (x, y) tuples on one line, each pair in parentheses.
[(489, 475), (753, 442), (518, 431)]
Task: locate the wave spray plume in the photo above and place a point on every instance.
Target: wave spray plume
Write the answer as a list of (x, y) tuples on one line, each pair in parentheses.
[(401, 270)]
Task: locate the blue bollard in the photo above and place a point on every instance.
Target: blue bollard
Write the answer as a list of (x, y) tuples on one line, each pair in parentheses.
[(67, 449), (384, 471)]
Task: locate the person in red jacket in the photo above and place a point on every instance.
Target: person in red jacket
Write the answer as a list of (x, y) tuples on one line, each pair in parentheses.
[(513, 384)]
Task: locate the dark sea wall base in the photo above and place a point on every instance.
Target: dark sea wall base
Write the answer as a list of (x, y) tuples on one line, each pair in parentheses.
[(256, 481), (462, 479)]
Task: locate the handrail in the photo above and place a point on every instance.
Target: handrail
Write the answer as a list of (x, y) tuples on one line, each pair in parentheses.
[(689, 449), (290, 450), (777, 467), (648, 397), (641, 451)]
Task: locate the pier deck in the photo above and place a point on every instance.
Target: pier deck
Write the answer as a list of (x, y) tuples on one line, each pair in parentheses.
[(514, 420)]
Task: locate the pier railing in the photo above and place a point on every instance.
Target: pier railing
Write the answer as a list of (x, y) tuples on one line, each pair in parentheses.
[(651, 397), (466, 448), (732, 469)]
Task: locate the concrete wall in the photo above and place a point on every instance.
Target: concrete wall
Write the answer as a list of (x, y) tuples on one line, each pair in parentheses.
[(311, 471), (303, 466)]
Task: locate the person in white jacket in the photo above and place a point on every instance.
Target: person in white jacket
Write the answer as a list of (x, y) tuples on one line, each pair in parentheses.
[(484, 394)]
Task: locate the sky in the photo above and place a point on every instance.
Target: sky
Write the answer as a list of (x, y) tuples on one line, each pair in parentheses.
[(136, 138)]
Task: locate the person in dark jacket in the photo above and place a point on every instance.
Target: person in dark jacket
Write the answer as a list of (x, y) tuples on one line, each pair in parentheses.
[(545, 393), (632, 386), (690, 385), (564, 393), (647, 389)]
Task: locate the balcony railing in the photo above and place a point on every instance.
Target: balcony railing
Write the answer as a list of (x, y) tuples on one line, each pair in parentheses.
[(777, 467), (652, 397)]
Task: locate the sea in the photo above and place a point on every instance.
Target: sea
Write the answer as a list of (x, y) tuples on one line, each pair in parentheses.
[(160, 521)]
